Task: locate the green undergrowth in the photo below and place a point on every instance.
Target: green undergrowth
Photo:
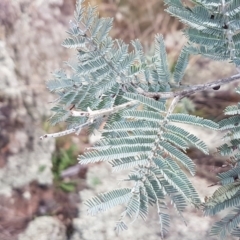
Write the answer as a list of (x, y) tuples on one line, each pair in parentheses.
[(63, 158)]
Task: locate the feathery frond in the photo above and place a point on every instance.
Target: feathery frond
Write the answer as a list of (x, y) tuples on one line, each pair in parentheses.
[(110, 84), (213, 29), (227, 195)]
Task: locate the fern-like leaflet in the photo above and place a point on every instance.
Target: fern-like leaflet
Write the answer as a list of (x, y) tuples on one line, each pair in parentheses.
[(110, 84), (228, 195)]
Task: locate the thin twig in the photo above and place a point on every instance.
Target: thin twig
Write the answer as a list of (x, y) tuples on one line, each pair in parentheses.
[(173, 105), (66, 132), (191, 90), (102, 112), (92, 117)]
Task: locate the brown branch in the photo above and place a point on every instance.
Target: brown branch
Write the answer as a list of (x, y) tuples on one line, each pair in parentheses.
[(92, 115), (192, 89)]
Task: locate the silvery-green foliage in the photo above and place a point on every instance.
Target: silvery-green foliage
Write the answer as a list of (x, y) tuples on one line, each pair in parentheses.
[(144, 137), (213, 27), (228, 195), (213, 31)]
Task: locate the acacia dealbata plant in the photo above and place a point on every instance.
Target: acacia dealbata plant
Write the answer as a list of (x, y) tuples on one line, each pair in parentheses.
[(128, 91)]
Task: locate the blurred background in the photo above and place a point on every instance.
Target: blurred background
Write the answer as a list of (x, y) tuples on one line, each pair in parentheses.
[(42, 188)]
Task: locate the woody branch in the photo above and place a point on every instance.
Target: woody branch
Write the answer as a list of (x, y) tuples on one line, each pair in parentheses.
[(92, 117), (190, 90)]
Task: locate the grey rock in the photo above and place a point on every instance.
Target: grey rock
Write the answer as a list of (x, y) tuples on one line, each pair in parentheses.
[(44, 228)]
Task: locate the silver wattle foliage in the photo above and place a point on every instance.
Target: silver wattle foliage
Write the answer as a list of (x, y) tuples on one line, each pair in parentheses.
[(108, 83)]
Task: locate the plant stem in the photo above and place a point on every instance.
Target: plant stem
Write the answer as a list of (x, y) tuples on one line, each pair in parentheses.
[(192, 89)]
